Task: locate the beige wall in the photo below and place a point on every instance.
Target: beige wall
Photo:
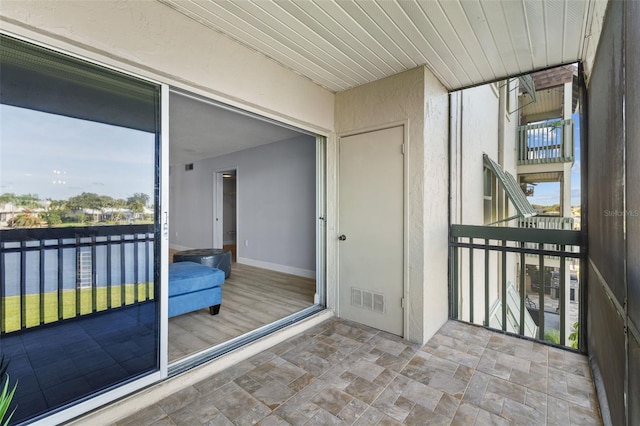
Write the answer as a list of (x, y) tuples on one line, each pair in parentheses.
[(153, 40), (479, 120), (416, 99)]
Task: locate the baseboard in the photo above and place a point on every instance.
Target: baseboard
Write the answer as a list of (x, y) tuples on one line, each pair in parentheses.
[(229, 242), (306, 273)]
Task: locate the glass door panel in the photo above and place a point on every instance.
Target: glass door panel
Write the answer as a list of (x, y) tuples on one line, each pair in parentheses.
[(79, 222)]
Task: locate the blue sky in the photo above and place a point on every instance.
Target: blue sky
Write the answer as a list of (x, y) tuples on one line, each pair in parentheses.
[(59, 157), (549, 193)]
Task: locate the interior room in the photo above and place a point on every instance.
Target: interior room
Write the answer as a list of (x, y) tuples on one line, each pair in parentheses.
[(247, 186)]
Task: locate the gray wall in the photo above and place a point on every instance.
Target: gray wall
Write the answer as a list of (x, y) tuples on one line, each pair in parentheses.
[(613, 213), (275, 201)]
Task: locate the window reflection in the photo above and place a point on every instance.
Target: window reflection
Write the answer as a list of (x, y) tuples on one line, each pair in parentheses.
[(78, 189), (61, 171)]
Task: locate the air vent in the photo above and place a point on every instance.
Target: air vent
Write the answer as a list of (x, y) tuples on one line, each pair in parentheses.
[(356, 297), (188, 167), (368, 300)]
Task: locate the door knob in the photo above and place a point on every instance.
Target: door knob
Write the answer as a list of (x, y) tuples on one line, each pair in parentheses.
[(342, 237)]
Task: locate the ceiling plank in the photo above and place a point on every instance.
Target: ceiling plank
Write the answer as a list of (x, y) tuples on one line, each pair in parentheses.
[(340, 44)]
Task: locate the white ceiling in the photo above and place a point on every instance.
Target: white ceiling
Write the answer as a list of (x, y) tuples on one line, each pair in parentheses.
[(199, 130), (548, 101), (341, 44)]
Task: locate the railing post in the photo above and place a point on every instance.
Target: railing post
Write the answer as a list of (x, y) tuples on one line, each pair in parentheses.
[(136, 280), (471, 282), (146, 263), (504, 285), (562, 300), (94, 284), (541, 293), (523, 293), (454, 275), (23, 285), (60, 283), (78, 288), (486, 284), (109, 273), (123, 273), (41, 279)]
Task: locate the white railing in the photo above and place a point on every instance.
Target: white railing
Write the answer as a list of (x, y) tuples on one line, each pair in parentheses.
[(547, 142)]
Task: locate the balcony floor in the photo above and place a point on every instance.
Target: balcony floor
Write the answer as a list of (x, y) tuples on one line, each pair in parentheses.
[(340, 372)]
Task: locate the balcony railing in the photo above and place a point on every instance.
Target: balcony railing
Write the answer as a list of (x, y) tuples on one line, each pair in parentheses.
[(489, 284), (546, 222), (53, 274), (548, 142)]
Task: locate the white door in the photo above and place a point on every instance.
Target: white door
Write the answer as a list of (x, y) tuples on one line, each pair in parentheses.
[(371, 229)]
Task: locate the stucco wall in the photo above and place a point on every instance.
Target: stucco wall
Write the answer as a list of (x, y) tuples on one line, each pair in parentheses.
[(479, 121), (418, 100), (153, 40)]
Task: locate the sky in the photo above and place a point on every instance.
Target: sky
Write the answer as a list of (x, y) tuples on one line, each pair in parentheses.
[(546, 194), (59, 157)]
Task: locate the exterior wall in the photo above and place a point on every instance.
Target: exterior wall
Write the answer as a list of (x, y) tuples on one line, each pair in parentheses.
[(480, 123), (418, 100), (476, 113), (591, 42), (153, 40), (275, 201)]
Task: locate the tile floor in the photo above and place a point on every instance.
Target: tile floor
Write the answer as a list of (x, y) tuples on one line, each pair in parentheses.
[(58, 363), (344, 373)]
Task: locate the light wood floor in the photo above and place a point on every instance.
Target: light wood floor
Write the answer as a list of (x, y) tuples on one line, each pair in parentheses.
[(251, 297)]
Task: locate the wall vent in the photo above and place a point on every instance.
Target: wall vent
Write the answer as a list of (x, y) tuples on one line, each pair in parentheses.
[(368, 300), (188, 167)]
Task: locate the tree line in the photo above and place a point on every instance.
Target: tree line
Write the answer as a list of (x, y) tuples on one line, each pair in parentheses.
[(37, 212)]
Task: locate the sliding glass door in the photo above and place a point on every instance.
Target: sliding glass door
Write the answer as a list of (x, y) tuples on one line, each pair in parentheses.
[(79, 228)]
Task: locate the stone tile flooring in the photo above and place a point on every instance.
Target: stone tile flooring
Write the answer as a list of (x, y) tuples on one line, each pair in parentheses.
[(343, 373)]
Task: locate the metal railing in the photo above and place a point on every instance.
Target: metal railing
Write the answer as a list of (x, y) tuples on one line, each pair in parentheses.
[(53, 274), (546, 222), (488, 273), (547, 142)]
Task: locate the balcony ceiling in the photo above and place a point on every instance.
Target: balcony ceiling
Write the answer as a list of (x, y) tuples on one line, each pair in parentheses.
[(345, 43)]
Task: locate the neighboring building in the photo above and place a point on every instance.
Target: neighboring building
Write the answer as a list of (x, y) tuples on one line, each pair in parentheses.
[(312, 87)]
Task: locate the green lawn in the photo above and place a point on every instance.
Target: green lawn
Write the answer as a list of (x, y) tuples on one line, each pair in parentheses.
[(11, 305)]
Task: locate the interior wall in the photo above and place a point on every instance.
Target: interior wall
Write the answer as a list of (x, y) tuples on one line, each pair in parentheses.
[(275, 199), (418, 99), (153, 40), (613, 213)]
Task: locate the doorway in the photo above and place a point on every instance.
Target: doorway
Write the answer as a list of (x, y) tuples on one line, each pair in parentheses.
[(371, 229), (225, 211)]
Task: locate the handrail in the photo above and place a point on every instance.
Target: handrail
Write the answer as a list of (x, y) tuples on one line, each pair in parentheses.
[(499, 256), (548, 236), (53, 274)]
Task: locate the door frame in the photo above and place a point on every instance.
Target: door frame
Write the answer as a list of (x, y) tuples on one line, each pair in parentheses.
[(218, 207), (405, 216)]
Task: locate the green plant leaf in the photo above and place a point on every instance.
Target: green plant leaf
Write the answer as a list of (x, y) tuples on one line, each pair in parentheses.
[(6, 397)]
